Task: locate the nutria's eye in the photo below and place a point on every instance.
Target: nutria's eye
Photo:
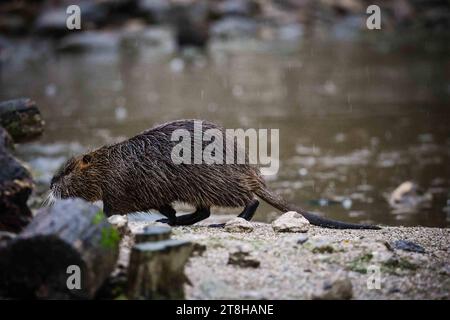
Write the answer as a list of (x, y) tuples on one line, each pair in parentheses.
[(87, 159)]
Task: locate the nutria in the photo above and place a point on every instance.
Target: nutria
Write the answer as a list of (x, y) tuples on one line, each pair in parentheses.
[(139, 175)]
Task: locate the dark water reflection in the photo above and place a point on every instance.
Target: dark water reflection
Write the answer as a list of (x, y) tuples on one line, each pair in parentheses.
[(354, 122)]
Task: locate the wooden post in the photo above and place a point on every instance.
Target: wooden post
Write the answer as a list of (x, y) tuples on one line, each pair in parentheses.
[(69, 235), (156, 269)]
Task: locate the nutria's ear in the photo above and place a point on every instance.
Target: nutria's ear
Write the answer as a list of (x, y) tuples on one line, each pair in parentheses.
[(87, 158)]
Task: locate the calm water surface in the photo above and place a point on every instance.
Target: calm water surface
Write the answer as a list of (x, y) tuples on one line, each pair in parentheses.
[(354, 121)]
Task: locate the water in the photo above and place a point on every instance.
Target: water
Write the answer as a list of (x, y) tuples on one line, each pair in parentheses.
[(355, 120)]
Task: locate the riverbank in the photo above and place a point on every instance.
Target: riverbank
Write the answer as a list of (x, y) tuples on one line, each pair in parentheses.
[(321, 263)]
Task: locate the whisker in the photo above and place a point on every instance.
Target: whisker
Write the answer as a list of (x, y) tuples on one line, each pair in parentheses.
[(48, 200)]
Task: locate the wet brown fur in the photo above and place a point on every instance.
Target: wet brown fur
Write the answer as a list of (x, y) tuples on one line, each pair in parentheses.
[(139, 175)]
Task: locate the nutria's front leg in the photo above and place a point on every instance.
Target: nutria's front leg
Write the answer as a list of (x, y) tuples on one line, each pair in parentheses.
[(107, 209), (249, 210)]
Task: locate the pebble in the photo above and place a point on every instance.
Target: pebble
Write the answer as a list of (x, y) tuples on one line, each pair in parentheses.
[(408, 246), (291, 221), (238, 225), (119, 222)]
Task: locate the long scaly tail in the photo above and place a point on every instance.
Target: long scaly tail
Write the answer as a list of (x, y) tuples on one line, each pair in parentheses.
[(279, 203)]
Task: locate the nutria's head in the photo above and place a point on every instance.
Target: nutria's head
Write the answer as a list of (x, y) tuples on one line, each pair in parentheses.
[(80, 177)]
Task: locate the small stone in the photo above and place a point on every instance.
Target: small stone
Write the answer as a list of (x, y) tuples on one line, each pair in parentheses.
[(408, 196), (238, 225), (291, 222), (120, 223), (408, 246), (339, 289)]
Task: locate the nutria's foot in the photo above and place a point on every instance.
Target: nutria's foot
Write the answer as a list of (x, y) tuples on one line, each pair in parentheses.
[(170, 213), (249, 210)]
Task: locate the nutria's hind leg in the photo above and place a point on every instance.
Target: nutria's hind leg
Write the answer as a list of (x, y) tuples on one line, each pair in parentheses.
[(170, 213), (191, 218), (249, 210)]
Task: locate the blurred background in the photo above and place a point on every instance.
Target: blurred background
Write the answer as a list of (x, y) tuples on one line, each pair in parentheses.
[(360, 112)]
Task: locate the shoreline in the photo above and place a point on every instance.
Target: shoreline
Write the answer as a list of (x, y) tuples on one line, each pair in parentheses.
[(306, 265)]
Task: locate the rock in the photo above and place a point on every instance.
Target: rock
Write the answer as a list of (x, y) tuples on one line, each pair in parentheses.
[(291, 222), (407, 197), (408, 246), (70, 232), (119, 222), (238, 225), (338, 289), (242, 257), (22, 119)]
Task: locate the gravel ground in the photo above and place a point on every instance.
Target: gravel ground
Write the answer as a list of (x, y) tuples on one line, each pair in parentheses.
[(307, 265)]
